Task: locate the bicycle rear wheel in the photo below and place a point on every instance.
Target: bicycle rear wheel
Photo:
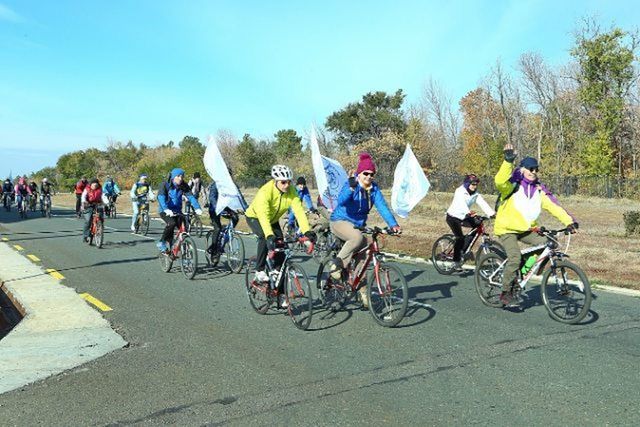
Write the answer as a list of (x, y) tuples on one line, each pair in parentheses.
[(493, 246), (211, 260), (566, 292), (113, 211), (388, 295), (234, 250), (442, 254), (188, 257), (333, 293), (298, 295), (488, 278), (257, 292), (145, 223), (98, 238)]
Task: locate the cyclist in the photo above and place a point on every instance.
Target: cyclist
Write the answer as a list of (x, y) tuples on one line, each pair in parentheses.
[(459, 214), (22, 191), (170, 196), (46, 189), (139, 191), (112, 191), (7, 191), (522, 198), (355, 200), (92, 197), (305, 198), (195, 185), (215, 218), (272, 201), (34, 193), (79, 189)]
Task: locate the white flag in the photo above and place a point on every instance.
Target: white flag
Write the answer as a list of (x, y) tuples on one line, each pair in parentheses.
[(228, 193), (330, 175), (410, 184)]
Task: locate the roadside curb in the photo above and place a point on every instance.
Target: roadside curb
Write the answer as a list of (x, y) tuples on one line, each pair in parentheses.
[(58, 331)]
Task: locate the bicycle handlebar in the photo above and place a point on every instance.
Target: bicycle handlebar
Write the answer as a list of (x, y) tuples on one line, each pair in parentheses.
[(377, 230)]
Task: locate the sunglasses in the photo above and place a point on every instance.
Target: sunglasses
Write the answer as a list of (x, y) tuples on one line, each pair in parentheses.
[(285, 182), (368, 173), (533, 170)]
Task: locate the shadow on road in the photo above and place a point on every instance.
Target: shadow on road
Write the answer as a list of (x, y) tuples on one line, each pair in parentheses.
[(420, 293)]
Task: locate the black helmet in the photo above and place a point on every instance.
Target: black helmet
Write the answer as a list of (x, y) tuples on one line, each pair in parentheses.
[(196, 174)]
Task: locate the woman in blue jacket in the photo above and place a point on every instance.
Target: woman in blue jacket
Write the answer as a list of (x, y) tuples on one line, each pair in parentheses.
[(355, 200)]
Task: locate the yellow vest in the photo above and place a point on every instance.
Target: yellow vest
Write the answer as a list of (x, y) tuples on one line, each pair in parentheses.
[(270, 204)]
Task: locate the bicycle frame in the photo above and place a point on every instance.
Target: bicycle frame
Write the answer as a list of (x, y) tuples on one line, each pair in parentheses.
[(181, 234), (95, 217)]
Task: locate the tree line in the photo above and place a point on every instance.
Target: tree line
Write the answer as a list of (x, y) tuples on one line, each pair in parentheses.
[(581, 118)]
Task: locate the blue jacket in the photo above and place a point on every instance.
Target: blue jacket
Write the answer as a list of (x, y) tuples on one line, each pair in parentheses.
[(170, 197), (110, 188), (354, 206), (305, 197)]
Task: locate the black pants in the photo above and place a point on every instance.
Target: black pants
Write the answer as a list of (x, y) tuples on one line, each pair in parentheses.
[(261, 254), (172, 222), (78, 199), (456, 227), (217, 226)]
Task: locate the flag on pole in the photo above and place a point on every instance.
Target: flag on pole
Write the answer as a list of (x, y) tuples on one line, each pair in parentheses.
[(330, 175), (228, 194), (410, 184)]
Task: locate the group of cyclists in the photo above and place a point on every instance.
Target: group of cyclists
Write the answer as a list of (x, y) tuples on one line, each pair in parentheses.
[(26, 194), (522, 197)]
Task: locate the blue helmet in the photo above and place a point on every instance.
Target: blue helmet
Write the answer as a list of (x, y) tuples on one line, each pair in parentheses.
[(176, 172)]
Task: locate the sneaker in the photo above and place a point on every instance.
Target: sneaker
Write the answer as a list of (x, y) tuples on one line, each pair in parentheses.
[(457, 267), (162, 246), (364, 298), (133, 228), (262, 276), (335, 270), (283, 302), (507, 299)]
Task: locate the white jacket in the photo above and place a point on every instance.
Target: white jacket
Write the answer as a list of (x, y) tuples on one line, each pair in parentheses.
[(462, 202)]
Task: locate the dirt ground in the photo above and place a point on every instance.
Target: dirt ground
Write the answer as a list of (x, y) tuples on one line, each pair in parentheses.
[(600, 247)]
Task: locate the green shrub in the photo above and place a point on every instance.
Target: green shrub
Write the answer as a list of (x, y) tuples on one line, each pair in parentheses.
[(632, 223)]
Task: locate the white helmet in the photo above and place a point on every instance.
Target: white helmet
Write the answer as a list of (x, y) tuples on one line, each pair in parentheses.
[(45, 180), (281, 173)]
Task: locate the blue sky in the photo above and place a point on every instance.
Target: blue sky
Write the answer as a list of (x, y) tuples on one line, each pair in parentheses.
[(75, 74)]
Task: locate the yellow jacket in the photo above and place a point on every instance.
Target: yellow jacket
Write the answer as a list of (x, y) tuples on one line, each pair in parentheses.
[(270, 204), (519, 212)]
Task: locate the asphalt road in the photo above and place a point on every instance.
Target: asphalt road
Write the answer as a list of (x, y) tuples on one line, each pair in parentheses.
[(199, 355)]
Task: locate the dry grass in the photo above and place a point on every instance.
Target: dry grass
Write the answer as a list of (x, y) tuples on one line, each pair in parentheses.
[(600, 247)]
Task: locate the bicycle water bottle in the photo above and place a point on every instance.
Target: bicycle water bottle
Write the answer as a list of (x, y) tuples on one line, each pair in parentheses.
[(529, 263)]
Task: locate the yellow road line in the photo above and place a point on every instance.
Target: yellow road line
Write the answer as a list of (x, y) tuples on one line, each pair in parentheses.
[(4, 239), (95, 301), (53, 273), (18, 247), (33, 258)]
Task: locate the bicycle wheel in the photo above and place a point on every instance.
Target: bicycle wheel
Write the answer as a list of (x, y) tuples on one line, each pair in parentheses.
[(299, 297), (566, 292), (442, 254), (258, 293), (99, 236), (333, 293), (166, 261), (188, 257), (196, 228), (488, 278), (388, 294), (145, 223), (234, 250)]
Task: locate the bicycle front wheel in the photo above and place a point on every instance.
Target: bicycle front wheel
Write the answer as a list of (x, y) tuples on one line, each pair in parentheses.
[(566, 292), (98, 238), (234, 250), (145, 223), (388, 294), (188, 257), (298, 295), (257, 292), (442, 254), (166, 261), (488, 278), (113, 212)]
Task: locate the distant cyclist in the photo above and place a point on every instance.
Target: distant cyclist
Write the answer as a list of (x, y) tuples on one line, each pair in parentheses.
[(22, 192), (46, 189), (272, 201), (7, 191), (170, 196), (215, 218), (460, 214), (111, 191), (140, 190), (92, 197), (355, 201), (79, 189), (34, 193), (195, 185)]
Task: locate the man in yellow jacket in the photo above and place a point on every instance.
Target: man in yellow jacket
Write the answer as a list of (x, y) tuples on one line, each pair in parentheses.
[(271, 202), (522, 199)]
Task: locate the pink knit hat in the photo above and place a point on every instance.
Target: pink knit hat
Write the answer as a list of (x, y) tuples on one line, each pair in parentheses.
[(365, 163)]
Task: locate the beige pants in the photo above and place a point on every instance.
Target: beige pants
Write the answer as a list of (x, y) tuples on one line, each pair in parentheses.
[(511, 246), (354, 240)]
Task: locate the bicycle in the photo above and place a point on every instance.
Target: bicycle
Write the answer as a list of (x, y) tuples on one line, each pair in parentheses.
[(443, 247), (387, 288), (295, 290), (33, 202), (230, 244), (112, 210), (564, 285), (46, 205), (143, 220), (195, 225), (183, 248), (22, 207), (6, 200), (96, 228)]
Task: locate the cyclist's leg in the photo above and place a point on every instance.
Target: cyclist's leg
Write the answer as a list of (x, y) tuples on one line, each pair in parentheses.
[(353, 238), (87, 222), (170, 225), (455, 225), (510, 243), (134, 216), (215, 234), (78, 198), (532, 239), (261, 253)]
